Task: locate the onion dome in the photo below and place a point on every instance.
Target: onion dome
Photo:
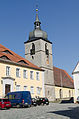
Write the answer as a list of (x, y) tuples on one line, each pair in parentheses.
[(37, 32)]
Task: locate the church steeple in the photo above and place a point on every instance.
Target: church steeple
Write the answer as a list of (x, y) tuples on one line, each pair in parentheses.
[(37, 22), (37, 33)]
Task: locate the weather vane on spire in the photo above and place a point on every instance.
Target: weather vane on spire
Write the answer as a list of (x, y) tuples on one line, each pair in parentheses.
[(36, 6)]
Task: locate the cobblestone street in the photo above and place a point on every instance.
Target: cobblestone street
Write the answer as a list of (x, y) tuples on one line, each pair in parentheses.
[(52, 111)]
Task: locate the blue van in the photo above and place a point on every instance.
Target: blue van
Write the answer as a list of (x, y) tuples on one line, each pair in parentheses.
[(20, 98)]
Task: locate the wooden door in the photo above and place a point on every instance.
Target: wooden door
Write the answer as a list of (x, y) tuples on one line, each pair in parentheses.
[(7, 88)]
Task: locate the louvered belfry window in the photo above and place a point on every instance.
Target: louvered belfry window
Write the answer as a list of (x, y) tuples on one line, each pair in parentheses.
[(46, 49), (32, 51)]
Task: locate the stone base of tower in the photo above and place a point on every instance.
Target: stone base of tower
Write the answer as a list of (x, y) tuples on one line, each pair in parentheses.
[(50, 92)]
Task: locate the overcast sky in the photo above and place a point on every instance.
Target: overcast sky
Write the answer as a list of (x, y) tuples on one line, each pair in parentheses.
[(59, 18)]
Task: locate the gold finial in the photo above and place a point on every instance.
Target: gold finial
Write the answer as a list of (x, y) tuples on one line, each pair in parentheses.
[(37, 9)]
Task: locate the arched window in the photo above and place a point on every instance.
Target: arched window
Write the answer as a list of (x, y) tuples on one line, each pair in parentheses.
[(32, 51), (46, 49), (46, 46), (48, 92), (33, 46), (69, 93), (60, 93)]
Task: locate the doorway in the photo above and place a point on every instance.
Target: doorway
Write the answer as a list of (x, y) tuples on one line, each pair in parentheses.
[(60, 93), (7, 88)]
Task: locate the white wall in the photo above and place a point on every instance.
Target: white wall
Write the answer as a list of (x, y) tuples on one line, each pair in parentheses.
[(76, 85), (76, 81)]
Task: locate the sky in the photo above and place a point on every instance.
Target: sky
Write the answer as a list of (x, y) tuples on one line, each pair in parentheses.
[(59, 18)]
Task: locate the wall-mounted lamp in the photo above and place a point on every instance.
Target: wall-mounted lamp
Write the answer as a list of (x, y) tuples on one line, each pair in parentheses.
[(15, 83)]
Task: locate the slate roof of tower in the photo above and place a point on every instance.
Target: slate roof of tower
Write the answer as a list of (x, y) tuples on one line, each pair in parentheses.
[(62, 78), (11, 57), (37, 33)]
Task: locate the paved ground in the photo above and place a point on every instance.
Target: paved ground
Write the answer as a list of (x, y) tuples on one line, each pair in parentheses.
[(53, 111)]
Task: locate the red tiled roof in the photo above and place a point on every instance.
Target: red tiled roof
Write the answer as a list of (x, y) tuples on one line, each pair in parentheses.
[(13, 57), (62, 78)]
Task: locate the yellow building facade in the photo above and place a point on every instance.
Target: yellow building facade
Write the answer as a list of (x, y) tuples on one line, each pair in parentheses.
[(64, 85), (62, 92), (18, 74)]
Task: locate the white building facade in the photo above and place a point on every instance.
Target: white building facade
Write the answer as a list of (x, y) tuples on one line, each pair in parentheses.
[(75, 74)]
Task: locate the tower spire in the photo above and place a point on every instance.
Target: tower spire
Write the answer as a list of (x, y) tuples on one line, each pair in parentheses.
[(37, 22), (37, 19)]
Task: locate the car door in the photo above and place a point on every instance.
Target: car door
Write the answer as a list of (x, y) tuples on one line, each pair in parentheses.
[(0, 102)]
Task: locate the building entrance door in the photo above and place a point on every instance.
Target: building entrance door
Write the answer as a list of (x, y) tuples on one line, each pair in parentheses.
[(7, 88), (60, 93)]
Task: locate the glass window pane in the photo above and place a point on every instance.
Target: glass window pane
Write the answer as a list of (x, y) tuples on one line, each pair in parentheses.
[(31, 75)]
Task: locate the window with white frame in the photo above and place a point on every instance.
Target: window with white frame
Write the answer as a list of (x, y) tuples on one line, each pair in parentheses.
[(25, 88), (37, 75), (38, 90), (25, 75), (32, 89), (7, 71), (17, 87), (31, 75), (17, 72)]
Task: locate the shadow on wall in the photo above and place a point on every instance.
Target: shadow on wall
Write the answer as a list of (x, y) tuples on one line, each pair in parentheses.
[(72, 113)]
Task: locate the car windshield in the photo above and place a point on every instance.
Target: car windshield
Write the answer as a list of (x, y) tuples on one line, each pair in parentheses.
[(4, 100), (46, 99)]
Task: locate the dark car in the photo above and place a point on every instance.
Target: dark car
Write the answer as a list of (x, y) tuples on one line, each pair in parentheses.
[(34, 102), (42, 101), (46, 101), (4, 103), (77, 99)]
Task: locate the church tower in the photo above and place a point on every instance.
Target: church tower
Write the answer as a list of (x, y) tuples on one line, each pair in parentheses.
[(38, 50)]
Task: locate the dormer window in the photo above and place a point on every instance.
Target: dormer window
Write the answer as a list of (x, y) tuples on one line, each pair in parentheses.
[(4, 57), (22, 61), (7, 52), (32, 51)]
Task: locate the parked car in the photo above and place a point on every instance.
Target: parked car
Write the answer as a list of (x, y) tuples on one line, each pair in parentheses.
[(46, 101), (42, 101), (77, 99), (34, 102), (20, 98), (4, 103)]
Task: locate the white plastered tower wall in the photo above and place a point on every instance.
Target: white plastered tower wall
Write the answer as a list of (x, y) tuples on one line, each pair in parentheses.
[(76, 81)]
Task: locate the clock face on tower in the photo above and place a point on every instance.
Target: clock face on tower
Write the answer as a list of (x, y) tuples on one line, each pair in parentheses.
[(47, 61)]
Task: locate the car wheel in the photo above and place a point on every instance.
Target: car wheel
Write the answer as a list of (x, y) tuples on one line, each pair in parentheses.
[(18, 106), (47, 104), (29, 106), (7, 107), (35, 105)]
